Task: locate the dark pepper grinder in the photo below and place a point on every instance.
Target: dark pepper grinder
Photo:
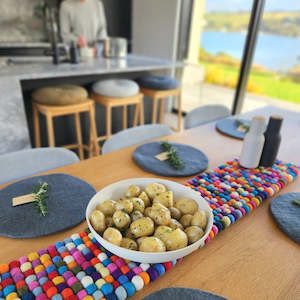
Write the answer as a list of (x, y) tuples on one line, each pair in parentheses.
[(272, 142), (74, 53)]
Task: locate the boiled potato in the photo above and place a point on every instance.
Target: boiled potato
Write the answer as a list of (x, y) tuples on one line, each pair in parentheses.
[(199, 219), (109, 222), (129, 234), (132, 191), (121, 219), (145, 198), (139, 240), (177, 239), (160, 214), (154, 189), (186, 206), (165, 198), (97, 220), (162, 232), (107, 207), (129, 244), (124, 204), (152, 244), (135, 215), (142, 227), (138, 204), (194, 233), (174, 224), (186, 220), (147, 211), (175, 213), (113, 236)]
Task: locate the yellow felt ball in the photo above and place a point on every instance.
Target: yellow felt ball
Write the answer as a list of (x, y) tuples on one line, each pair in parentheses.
[(32, 256), (44, 258), (12, 296), (58, 279), (38, 269), (99, 283)]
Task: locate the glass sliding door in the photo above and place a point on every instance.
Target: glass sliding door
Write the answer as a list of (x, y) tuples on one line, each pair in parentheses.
[(211, 77), (275, 73)]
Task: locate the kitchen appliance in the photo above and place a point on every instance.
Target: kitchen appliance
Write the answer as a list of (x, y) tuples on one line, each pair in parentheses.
[(115, 47)]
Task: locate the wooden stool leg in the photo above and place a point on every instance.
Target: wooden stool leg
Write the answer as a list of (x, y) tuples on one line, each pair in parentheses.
[(36, 124), (142, 121), (179, 112), (162, 110), (79, 136), (124, 117), (154, 110), (51, 139), (108, 121), (136, 114), (93, 132)]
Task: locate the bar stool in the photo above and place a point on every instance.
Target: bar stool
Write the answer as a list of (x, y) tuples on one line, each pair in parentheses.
[(160, 87), (60, 101), (118, 93)]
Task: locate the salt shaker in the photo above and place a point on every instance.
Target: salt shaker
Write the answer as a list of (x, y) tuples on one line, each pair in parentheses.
[(272, 142), (253, 143)]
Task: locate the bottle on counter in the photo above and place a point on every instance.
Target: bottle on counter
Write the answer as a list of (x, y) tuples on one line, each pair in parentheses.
[(253, 143), (74, 53), (272, 142)]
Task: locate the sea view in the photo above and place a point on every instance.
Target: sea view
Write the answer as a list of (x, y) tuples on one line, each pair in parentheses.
[(275, 52)]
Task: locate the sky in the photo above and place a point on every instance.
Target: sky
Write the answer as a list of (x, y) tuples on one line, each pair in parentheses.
[(245, 5)]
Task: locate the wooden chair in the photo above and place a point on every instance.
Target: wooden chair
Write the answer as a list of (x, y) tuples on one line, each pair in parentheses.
[(110, 102), (161, 95), (51, 111)]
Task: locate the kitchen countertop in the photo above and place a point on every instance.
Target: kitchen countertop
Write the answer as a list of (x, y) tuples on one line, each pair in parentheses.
[(45, 69), (14, 133)]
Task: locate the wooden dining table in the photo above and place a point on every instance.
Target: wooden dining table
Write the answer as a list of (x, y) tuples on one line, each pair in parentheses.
[(252, 259)]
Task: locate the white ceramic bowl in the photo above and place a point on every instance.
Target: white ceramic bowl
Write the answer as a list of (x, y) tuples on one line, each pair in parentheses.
[(116, 191)]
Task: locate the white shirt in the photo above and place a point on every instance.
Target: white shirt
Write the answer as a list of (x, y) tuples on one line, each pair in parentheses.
[(85, 19)]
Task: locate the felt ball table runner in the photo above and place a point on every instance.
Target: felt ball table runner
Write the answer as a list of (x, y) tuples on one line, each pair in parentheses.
[(80, 268)]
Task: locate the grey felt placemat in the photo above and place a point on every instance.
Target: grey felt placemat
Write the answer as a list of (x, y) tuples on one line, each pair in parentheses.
[(67, 201), (287, 214), (182, 294), (195, 160), (228, 127)]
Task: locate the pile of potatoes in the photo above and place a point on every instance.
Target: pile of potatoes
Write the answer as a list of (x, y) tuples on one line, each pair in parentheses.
[(149, 220)]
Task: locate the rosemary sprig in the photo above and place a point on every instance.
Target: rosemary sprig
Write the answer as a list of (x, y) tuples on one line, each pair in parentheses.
[(242, 124), (40, 196), (173, 158), (296, 202)]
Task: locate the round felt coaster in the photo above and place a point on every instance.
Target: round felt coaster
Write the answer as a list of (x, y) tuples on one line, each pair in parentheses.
[(67, 200), (195, 160), (287, 214), (182, 293), (229, 127)]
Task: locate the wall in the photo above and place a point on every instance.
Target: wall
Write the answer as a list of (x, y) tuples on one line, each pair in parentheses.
[(155, 27), (21, 20)]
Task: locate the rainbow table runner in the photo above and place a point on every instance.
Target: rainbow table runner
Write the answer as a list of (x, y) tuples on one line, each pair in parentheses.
[(80, 268)]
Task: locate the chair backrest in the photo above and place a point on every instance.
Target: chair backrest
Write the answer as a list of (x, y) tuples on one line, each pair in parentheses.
[(205, 114), (135, 135)]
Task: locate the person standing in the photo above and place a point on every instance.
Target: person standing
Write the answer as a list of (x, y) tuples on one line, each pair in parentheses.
[(82, 22)]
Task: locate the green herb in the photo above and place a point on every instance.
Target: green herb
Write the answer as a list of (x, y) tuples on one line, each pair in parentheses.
[(173, 158), (242, 124), (296, 202), (40, 196)]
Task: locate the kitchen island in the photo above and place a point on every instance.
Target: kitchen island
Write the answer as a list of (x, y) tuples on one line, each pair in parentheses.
[(22, 77)]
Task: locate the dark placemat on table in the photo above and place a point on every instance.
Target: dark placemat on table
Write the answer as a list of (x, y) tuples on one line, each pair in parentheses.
[(287, 214), (182, 293), (195, 160), (229, 127), (67, 199)]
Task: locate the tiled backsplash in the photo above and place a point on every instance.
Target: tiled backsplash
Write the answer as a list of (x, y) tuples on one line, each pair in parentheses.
[(21, 21)]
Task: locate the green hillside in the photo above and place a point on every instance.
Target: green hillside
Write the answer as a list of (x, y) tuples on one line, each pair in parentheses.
[(283, 23)]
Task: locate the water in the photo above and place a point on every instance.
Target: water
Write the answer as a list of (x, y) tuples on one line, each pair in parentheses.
[(275, 52)]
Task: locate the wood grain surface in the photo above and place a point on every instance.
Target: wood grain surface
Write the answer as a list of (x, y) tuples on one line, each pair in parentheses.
[(252, 259)]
